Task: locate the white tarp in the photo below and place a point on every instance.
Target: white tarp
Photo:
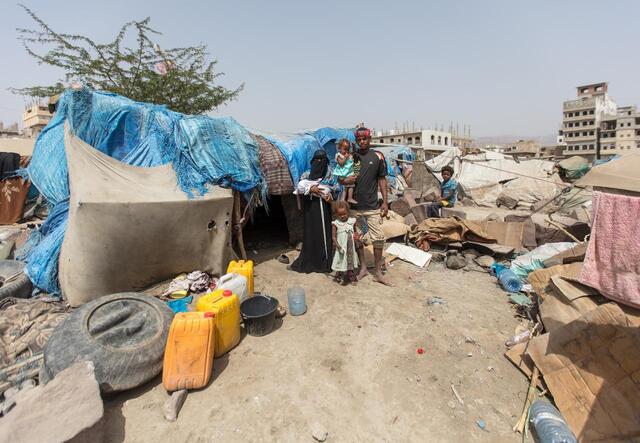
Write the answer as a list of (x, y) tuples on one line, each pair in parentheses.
[(450, 155), (621, 173), (481, 180)]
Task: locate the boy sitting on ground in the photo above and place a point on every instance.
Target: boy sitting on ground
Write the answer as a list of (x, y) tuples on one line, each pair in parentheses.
[(448, 193)]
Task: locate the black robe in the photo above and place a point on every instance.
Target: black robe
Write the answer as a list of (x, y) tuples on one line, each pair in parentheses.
[(314, 257)]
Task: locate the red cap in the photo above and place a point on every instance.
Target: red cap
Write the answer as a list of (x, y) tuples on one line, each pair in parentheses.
[(209, 315), (227, 293), (420, 351)]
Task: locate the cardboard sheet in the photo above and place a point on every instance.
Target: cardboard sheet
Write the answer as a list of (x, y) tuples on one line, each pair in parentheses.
[(541, 278), (517, 355), (508, 234), (571, 290), (592, 368), (556, 310)]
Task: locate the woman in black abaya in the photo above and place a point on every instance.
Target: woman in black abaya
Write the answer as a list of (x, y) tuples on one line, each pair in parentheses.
[(316, 254)]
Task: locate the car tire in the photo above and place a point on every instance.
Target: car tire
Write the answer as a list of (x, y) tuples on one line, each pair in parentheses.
[(124, 335), (18, 287)]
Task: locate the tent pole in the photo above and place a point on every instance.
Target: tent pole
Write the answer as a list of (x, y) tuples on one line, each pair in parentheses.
[(238, 222)]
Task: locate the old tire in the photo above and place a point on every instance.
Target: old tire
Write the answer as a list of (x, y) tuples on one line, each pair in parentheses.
[(20, 286), (124, 335)]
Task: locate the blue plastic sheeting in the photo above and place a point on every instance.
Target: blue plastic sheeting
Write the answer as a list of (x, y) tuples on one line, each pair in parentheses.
[(202, 150), (222, 152), (298, 150), (393, 152)]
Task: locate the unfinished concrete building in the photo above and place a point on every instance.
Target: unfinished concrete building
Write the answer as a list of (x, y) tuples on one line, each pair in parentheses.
[(583, 116), (428, 139), (627, 130)]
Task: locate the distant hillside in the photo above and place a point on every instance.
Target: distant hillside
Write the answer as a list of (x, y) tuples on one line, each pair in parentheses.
[(549, 139)]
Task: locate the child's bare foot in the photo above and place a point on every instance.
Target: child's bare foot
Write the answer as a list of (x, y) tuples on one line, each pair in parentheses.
[(382, 279), (362, 274), (352, 201)]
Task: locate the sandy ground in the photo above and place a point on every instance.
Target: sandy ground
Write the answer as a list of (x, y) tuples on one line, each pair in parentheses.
[(349, 366)]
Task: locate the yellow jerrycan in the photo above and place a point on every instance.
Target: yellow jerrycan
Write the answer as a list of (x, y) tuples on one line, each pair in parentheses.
[(188, 355), (226, 307), (243, 268)]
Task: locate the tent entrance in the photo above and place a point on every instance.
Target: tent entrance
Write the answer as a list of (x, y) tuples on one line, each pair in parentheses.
[(266, 235)]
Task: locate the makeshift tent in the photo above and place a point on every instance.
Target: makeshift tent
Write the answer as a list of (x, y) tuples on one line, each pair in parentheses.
[(528, 181), (200, 151), (573, 167), (621, 173), (130, 227)]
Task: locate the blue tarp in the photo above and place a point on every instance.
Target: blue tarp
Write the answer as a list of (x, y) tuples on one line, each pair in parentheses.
[(201, 150), (299, 149)]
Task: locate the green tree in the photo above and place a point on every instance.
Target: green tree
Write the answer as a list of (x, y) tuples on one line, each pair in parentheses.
[(180, 78)]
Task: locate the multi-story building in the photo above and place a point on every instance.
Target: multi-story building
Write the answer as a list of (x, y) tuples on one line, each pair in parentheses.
[(428, 139), (627, 130), (35, 118), (608, 135), (583, 116)]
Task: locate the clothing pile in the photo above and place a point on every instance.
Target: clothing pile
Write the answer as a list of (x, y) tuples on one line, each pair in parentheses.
[(196, 281)]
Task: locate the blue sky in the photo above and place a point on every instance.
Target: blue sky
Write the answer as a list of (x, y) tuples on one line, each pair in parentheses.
[(503, 67)]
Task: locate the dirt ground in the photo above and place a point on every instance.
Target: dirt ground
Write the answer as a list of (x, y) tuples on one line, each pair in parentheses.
[(350, 367)]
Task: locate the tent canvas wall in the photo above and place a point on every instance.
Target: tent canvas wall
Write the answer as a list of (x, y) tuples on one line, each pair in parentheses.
[(130, 226), (622, 173)]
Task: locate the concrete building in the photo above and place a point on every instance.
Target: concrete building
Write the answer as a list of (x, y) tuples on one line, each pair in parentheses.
[(627, 132), (9, 131), (608, 135), (525, 148), (35, 118), (428, 139), (583, 116)]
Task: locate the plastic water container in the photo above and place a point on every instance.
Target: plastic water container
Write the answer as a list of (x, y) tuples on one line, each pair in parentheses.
[(508, 280), (236, 283), (226, 306), (296, 300), (243, 268), (549, 424), (188, 354)]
